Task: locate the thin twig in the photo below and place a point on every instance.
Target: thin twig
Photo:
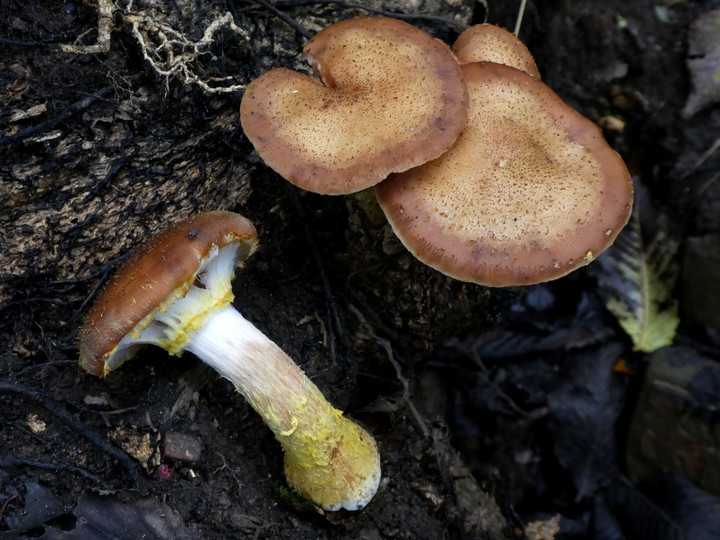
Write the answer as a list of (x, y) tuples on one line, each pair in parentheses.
[(285, 18), (519, 19), (66, 113), (378, 11), (11, 461), (39, 396), (115, 168), (232, 472), (335, 323), (703, 158), (474, 354), (698, 194), (385, 344), (38, 43)]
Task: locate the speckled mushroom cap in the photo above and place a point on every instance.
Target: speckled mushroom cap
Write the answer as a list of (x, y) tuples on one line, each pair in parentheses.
[(490, 43), (161, 271), (392, 97), (529, 192)]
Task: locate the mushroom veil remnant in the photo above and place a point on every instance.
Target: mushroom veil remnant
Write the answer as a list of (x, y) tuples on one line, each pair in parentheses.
[(529, 192), (176, 293), (392, 97)]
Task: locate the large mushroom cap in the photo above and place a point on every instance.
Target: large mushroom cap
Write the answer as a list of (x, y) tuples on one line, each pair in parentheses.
[(490, 43), (391, 98), (529, 192), (162, 269)]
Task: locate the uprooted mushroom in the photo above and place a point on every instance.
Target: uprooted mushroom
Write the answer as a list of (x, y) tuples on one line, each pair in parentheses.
[(176, 293)]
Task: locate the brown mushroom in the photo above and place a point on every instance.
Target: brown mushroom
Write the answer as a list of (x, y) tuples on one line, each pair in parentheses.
[(391, 98), (176, 293), (529, 192), (490, 43)]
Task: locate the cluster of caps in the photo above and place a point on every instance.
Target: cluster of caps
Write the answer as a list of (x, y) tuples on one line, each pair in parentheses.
[(483, 172)]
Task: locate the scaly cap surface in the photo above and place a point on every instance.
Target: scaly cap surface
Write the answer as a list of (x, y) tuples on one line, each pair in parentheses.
[(391, 98), (529, 192)]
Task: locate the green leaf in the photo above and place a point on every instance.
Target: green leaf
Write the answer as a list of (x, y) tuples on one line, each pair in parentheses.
[(637, 278)]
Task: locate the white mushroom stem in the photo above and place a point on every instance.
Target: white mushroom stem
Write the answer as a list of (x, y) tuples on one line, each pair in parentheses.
[(329, 459), (259, 369)]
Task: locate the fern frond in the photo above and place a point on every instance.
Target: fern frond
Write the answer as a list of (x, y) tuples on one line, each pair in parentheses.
[(637, 279)]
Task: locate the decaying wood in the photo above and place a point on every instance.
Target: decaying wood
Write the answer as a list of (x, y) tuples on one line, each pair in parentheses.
[(138, 139)]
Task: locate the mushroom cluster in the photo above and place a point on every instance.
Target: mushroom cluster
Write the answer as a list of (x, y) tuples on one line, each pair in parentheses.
[(175, 292), (483, 172)]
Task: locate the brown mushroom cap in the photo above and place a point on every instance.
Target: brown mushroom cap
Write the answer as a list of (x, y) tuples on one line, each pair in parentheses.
[(529, 192), (490, 43), (164, 267), (391, 98)]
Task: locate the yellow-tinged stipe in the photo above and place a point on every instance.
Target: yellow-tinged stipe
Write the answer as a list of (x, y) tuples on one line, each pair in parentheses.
[(331, 460)]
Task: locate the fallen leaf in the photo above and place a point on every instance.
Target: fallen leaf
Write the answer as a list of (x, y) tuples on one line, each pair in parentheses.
[(636, 279), (704, 62)]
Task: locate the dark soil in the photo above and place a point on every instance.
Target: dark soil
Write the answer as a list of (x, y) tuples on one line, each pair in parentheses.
[(115, 151)]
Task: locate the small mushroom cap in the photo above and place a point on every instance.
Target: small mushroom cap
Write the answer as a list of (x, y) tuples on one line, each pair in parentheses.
[(162, 269), (392, 97), (490, 43), (529, 192)]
